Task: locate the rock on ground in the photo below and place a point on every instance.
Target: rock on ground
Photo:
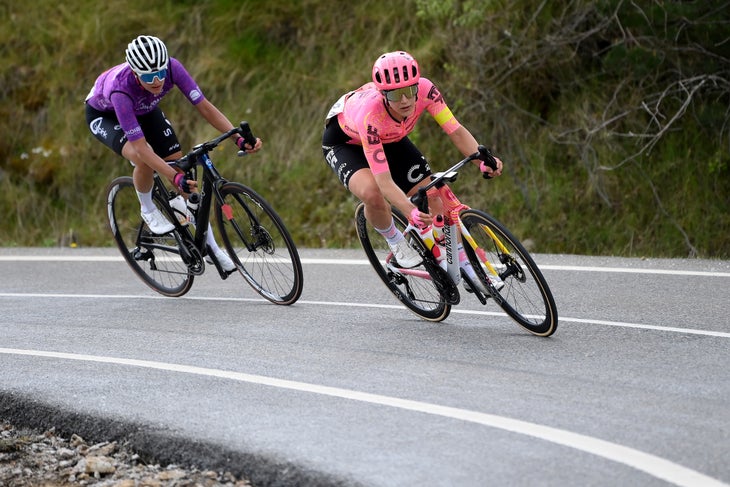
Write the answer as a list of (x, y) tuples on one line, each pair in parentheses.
[(31, 459)]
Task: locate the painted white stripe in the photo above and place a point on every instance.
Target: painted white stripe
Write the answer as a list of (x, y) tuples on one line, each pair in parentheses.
[(562, 319), (630, 270), (320, 261), (645, 462)]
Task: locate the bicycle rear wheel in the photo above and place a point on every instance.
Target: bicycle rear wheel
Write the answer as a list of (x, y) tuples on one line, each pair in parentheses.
[(525, 296), (154, 258), (259, 244), (413, 287)]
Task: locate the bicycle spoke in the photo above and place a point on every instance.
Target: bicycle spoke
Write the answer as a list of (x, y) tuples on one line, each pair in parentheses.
[(412, 287), (525, 296), (260, 244), (154, 258)]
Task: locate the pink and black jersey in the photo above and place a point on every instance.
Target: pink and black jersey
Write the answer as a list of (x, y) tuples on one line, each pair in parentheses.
[(118, 90), (365, 119)]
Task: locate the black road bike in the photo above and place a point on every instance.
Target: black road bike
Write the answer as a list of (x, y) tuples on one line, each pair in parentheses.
[(253, 234)]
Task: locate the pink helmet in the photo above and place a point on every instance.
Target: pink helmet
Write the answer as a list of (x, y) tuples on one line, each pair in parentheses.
[(395, 70)]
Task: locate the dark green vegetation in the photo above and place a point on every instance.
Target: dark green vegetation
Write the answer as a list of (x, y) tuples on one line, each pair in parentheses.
[(612, 117)]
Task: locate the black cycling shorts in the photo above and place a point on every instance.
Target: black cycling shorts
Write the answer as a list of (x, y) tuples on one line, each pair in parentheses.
[(407, 165), (157, 130)]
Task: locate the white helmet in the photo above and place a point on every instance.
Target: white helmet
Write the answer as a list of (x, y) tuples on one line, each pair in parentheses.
[(147, 54)]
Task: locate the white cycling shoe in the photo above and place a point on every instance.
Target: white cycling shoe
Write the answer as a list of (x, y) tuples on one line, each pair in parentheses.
[(496, 281), (157, 223), (405, 255), (222, 257)]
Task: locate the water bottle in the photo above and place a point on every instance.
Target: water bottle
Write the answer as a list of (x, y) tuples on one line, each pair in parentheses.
[(433, 236), (193, 202), (439, 251), (179, 209)]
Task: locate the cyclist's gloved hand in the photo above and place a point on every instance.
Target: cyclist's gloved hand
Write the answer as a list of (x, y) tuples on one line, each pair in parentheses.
[(416, 218), (488, 164), (183, 184), (254, 145), (483, 165), (240, 143)]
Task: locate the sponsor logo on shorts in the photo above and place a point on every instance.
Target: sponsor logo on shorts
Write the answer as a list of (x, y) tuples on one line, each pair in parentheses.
[(97, 129), (415, 174)]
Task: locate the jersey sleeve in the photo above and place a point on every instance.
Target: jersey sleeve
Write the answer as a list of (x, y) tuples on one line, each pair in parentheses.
[(439, 110), (372, 146), (185, 83)]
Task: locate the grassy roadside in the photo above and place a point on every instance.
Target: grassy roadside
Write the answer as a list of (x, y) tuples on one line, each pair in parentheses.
[(594, 165)]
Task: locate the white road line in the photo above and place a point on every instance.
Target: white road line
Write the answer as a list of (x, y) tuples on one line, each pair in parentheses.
[(562, 319), (320, 261), (651, 464)]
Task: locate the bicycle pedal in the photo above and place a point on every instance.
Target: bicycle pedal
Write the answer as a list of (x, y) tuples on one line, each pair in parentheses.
[(228, 273), (141, 254)]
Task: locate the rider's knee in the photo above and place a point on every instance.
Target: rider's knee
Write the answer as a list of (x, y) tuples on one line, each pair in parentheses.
[(373, 198)]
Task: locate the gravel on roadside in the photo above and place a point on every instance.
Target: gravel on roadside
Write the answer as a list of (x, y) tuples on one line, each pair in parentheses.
[(31, 458)]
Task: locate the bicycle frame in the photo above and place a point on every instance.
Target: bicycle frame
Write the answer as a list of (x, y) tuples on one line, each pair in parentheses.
[(212, 181), (453, 226)]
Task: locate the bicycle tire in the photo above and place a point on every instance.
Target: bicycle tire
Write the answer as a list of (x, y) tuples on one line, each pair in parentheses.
[(526, 296), (154, 258), (420, 295), (259, 244)]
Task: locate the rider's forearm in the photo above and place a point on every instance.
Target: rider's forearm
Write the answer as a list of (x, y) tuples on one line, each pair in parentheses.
[(393, 194), (464, 141), (214, 116)]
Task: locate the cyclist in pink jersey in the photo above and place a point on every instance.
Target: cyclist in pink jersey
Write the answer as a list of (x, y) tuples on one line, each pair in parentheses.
[(366, 144), (122, 112)]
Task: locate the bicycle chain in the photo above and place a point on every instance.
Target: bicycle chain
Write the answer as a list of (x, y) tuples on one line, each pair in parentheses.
[(441, 279)]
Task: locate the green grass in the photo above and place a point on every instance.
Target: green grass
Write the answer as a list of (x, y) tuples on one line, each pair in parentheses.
[(557, 93)]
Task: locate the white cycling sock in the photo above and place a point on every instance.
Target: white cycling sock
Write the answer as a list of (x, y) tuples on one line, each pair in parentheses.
[(210, 240), (464, 262), (391, 234), (145, 201)]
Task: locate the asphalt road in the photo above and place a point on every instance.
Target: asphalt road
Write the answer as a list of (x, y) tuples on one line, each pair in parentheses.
[(347, 387)]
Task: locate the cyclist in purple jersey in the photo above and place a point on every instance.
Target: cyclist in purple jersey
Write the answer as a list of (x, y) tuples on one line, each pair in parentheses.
[(122, 112), (366, 144)]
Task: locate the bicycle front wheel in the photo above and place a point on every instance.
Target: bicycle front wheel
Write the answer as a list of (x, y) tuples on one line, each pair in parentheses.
[(259, 244), (413, 287), (525, 296), (154, 258)]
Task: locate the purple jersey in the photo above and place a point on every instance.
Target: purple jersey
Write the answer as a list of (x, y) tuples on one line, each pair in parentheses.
[(118, 90)]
